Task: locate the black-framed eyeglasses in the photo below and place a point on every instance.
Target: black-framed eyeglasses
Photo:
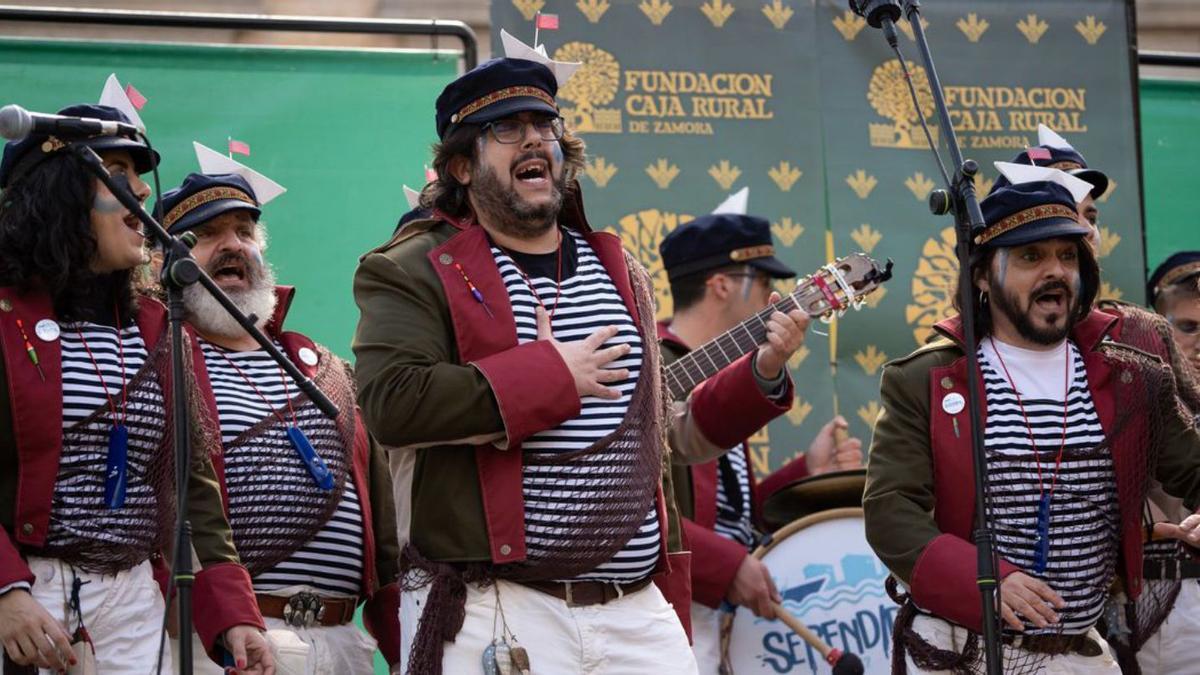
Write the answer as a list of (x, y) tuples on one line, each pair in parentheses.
[(510, 131)]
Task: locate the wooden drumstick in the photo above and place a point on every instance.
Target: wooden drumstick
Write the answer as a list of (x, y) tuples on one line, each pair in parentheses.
[(843, 663)]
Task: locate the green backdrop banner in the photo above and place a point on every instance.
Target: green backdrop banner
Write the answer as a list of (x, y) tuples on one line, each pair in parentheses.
[(683, 102), (1170, 110), (342, 130)]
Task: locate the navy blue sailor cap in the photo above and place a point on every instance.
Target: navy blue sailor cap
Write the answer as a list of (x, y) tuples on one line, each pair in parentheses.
[(23, 155), (1022, 214), (202, 197), (1068, 160), (1177, 268), (496, 89), (720, 240)]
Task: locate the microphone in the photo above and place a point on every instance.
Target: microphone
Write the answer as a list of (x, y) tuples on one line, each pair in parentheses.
[(880, 14), (17, 123)]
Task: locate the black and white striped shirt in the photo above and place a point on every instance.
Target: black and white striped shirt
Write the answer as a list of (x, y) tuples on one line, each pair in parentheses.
[(332, 560), (589, 301), (78, 511), (733, 521), (1083, 508)]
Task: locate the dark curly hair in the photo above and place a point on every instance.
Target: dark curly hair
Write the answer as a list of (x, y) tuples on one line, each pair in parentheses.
[(449, 196), (47, 243)]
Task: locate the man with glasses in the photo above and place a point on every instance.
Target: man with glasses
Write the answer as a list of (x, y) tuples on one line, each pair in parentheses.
[(506, 352), (721, 267)]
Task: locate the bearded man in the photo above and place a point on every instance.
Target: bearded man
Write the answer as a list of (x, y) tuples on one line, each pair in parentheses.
[(309, 498), (1075, 422), (507, 352)]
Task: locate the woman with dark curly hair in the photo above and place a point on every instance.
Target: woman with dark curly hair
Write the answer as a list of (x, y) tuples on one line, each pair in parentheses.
[(87, 500)]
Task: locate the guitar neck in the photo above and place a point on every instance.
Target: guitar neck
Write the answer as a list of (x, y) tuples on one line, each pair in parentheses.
[(685, 374)]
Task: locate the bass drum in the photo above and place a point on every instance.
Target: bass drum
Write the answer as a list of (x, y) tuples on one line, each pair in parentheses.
[(829, 579)]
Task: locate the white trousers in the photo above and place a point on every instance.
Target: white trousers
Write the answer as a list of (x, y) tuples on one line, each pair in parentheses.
[(944, 635), (637, 634), (122, 613), (316, 650), (1176, 644), (706, 638)]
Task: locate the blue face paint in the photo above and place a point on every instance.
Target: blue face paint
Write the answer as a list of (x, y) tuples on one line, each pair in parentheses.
[(1002, 264), (558, 153), (106, 204)]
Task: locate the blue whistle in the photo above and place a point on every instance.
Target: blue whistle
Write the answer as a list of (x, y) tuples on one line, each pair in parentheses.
[(316, 466), (115, 472), (1042, 550)]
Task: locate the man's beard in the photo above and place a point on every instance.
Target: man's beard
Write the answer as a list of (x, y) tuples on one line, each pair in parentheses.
[(210, 318), (505, 210), (1008, 304)]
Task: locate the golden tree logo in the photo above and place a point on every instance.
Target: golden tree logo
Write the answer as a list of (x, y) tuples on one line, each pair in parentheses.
[(933, 286), (641, 233), (888, 95), (593, 85)]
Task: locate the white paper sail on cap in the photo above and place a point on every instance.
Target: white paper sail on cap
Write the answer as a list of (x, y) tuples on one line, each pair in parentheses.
[(213, 163), (114, 96), (1024, 173), (735, 203), (1050, 138), (412, 196), (515, 49)]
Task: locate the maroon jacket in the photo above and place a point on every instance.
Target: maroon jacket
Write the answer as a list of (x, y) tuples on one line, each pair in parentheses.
[(31, 445), (731, 408), (381, 612)]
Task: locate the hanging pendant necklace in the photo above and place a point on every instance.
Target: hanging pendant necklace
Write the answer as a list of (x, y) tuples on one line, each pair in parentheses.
[(116, 468), (1042, 548), (312, 461), (557, 278)]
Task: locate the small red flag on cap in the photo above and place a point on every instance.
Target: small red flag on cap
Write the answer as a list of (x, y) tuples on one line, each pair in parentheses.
[(135, 96), (430, 175), (547, 21), (1037, 153), (239, 147)]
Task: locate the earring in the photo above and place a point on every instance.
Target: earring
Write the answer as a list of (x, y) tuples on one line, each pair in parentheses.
[(983, 298)]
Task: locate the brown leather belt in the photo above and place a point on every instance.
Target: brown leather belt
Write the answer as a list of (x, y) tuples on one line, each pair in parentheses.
[(1170, 568), (584, 593), (307, 609), (1054, 645)]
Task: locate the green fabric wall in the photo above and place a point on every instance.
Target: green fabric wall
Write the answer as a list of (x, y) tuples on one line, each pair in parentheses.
[(1170, 112)]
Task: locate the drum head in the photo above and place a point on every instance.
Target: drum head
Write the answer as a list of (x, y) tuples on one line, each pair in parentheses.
[(834, 490), (830, 580)]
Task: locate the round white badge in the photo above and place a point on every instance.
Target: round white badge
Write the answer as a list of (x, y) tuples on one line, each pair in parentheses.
[(308, 356), (953, 403), (47, 330)]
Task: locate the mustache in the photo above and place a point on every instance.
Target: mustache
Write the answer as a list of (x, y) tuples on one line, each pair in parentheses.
[(532, 154), (1051, 286), (252, 269)]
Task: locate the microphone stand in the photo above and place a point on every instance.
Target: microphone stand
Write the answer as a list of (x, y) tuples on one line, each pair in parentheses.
[(179, 271), (960, 199)]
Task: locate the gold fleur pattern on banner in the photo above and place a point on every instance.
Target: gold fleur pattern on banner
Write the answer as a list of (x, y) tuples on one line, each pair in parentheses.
[(717, 11), (655, 10), (972, 26), (1112, 187), (640, 234), (799, 412), (662, 172), (919, 185), (593, 9), (600, 171), (724, 173), (1032, 28), (1109, 292), (778, 14), (787, 231), (760, 451), (888, 94), (1108, 241), (1091, 29), (529, 8), (866, 237), (906, 28), (861, 183), (983, 185), (798, 356), (849, 24), (785, 175), (876, 297), (869, 413), (870, 359), (933, 285)]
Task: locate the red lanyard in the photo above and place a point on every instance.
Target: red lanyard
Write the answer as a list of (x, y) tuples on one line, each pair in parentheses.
[(1029, 430), (282, 378), (557, 278), (112, 406)]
